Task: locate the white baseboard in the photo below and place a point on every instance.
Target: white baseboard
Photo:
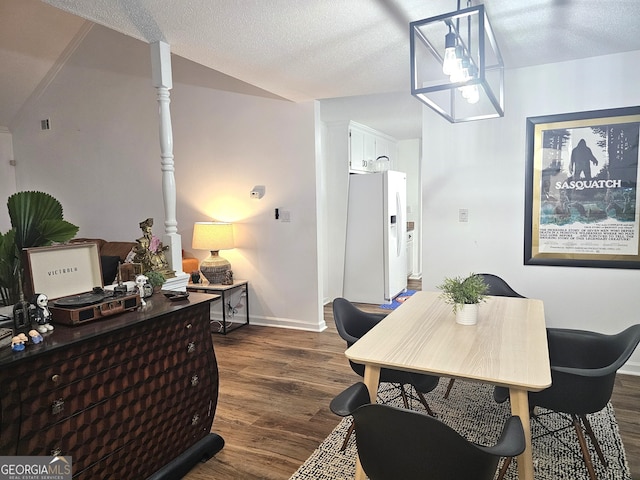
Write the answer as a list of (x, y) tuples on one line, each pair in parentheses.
[(291, 323), (630, 368)]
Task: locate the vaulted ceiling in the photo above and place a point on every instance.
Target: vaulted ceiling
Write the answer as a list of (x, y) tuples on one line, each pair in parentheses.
[(300, 49)]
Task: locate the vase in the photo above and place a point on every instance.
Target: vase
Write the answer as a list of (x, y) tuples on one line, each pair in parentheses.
[(467, 314)]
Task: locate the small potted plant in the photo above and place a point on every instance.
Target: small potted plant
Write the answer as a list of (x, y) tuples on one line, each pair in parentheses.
[(465, 294), (156, 279)]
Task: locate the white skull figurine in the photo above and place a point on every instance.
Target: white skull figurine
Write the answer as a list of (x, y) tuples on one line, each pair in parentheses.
[(42, 313)]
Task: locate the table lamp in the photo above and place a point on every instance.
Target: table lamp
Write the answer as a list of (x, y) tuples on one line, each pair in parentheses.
[(213, 236)]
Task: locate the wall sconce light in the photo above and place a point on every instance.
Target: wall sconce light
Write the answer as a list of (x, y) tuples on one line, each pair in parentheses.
[(213, 236), (456, 66)]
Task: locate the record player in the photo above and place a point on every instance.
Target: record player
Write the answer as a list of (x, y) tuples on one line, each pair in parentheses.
[(71, 276)]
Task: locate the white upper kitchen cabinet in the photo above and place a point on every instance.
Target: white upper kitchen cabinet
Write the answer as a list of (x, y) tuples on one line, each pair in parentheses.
[(386, 151), (365, 145), (362, 149)]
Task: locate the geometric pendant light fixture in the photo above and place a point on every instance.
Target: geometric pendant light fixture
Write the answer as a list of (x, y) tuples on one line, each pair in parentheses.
[(456, 66)]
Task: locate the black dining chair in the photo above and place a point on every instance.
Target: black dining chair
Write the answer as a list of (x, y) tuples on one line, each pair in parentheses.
[(498, 288), (346, 402), (352, 323), (398, 443), (583, 370)]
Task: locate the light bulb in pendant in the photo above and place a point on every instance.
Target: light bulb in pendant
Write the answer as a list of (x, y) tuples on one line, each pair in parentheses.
[(474, 95), (470, 92), (465, 71), (450, 61), (461, 74)]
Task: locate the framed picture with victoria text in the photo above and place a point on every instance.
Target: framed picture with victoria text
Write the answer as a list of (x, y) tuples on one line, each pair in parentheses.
[(581, 199)]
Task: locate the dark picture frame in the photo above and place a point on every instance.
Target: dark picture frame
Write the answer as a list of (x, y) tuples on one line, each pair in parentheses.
[(581, 201)]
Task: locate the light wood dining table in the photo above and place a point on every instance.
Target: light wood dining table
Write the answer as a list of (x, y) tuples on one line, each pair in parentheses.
[(507, 347)]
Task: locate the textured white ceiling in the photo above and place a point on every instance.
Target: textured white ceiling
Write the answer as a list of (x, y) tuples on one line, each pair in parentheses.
[(310, 49), (301, 49)]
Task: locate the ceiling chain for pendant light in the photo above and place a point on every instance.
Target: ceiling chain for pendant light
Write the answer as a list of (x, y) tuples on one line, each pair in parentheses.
[(456, 74), (470, 71)]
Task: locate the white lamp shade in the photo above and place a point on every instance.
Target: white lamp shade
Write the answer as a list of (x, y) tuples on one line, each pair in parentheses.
[(212, 236)]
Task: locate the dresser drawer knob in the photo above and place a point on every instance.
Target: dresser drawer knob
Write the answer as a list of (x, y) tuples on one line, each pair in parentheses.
[(55, 378), (195, 380), (57, 407), (189, 326), (195, 419), (56, 452), (191, 347)]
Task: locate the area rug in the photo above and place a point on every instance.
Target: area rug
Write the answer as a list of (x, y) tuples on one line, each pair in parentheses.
[(396, 302), (471, 410)]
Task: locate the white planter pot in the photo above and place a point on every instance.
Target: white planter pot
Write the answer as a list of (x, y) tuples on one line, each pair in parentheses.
[(467, 314)]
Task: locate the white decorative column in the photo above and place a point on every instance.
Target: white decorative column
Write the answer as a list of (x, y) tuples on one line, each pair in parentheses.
[(162, 81)]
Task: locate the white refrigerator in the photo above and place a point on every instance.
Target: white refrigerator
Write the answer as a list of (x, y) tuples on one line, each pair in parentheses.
[(375, 269)]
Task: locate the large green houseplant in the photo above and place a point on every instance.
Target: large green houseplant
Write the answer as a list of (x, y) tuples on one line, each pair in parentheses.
[(463, 292), (37, 221)]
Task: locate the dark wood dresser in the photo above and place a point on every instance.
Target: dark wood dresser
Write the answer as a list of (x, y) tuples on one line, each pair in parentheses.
[(128, 397)]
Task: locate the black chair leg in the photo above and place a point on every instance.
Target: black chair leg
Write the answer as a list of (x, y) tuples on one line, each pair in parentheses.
[(594, 440), (424, 403), (449, 387), (583, 447), (504, 468), (404, 397), (347, 436)]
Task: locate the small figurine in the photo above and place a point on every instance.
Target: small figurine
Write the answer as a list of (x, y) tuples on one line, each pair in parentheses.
[(17, 343), (41, 314), (140, 282), (22, 315), (35, 337), (195, 276), (150, 253)]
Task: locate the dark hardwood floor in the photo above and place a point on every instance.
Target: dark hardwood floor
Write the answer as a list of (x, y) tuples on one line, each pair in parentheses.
[(275, 389)]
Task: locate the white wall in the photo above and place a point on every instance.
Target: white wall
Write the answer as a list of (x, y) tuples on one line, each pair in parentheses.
[(481, 166), (102, 161), (397, 114), (7, 177), (335, 177), (409, 162)]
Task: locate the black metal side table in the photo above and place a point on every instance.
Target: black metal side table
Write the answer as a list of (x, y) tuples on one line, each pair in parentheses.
[(225, 292)]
